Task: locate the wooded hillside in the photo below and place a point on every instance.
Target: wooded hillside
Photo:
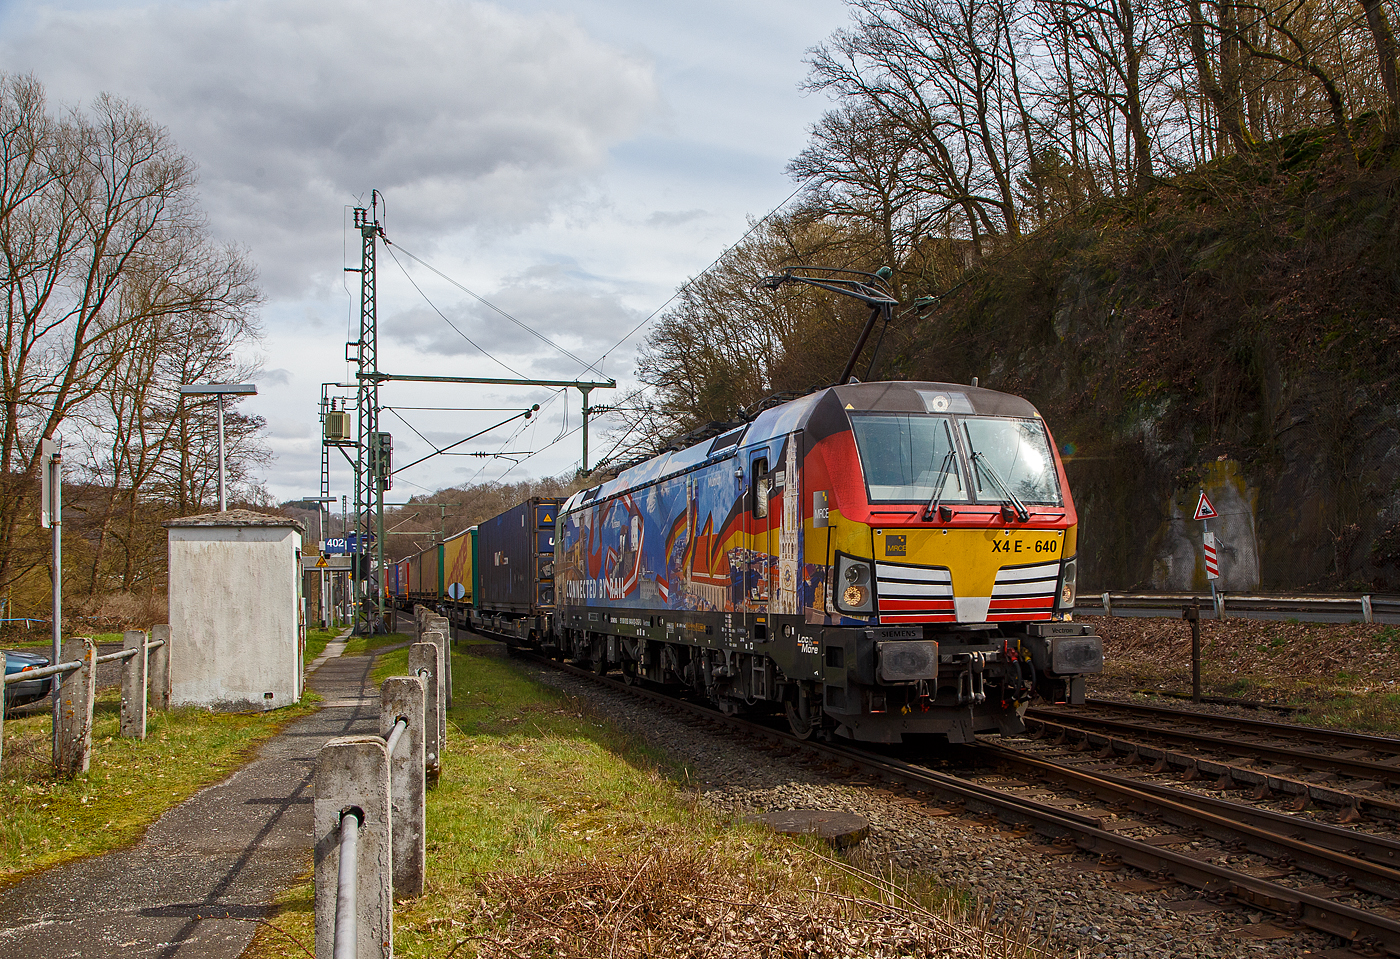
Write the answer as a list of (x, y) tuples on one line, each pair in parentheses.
[(1169, 224)]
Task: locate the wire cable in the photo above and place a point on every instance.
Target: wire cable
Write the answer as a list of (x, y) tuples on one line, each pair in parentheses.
[(454, 326), (489, 305), (729, 249)]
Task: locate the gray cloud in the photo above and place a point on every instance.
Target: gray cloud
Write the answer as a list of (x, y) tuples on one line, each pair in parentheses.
[(464, 114), (557, 301), (673, 218)]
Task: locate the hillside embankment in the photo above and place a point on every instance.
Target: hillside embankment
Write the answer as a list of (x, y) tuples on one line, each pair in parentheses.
[(1232, 329)]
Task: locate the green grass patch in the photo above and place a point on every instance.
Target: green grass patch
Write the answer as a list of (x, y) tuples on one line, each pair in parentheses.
[(49, 820), (46, 642), (364, 645), (551, 832), (316, 641)]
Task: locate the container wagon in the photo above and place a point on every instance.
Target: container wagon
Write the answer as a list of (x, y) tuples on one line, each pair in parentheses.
[(514, 589)]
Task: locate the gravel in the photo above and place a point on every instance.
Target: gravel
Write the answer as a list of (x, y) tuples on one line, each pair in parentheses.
[(1080, 905)]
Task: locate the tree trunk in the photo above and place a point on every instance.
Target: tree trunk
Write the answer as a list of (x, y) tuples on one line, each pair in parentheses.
[(1385, 57), (1227, 113)]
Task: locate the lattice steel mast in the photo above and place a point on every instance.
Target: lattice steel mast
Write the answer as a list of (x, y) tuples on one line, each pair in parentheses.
[(369, 486)]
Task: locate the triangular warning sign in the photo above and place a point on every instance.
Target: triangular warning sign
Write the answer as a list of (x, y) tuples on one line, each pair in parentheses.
[(849, 406), (321, 563), (1204, 509), (548, 518)]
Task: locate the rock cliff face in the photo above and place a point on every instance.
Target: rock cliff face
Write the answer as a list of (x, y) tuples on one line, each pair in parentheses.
[(1178, 554), (1237, 331)]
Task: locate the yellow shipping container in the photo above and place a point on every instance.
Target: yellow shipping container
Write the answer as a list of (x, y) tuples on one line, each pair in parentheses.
[(457, 566)]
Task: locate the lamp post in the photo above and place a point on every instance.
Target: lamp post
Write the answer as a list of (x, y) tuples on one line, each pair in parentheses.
[(219, 390), (321, 507)]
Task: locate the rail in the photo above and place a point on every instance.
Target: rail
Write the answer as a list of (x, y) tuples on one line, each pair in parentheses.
[(1309, 607), (144, 677), (370, 811)]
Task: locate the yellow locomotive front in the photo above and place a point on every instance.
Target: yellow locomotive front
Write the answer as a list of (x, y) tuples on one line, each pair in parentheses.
[(944, 521)]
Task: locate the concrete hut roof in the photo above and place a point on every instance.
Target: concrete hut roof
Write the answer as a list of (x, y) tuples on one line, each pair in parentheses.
[(235, 517)]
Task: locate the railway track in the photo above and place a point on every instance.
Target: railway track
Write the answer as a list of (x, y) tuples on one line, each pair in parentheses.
[(1088, 796), (1355, 775)]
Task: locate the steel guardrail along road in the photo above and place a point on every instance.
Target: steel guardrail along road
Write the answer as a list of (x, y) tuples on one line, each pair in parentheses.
[(1304, 607)]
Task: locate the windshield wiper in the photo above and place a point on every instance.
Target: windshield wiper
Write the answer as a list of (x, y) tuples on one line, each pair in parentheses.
[(932, 506), (979, 460)]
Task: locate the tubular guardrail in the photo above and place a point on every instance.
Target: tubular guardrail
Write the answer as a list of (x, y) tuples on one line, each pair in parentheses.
[(29, 673), (141, 676), (347, 884), (369, 815)]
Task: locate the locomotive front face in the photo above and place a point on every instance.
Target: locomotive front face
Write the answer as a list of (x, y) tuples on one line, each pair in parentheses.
[(948, 523), (884, 559)]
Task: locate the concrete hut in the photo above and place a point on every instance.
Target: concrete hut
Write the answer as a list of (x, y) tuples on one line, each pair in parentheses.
[(236, 620)]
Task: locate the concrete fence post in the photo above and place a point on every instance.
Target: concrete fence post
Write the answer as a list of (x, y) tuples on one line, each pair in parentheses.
[(404, 696), (352, 773), (1107, 605), (1367, 610), (75, 698), (435, 636), (133, 722), (159, 665), (442, 625), (424, 656)]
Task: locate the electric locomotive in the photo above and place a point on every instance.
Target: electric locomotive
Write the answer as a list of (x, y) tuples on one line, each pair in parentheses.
[(877, 560)]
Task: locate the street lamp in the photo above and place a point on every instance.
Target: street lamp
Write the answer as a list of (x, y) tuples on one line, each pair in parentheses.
[(219, 390)]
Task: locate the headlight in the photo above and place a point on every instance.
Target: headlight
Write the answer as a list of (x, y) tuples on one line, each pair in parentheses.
[(854, 592), (1067, 586)]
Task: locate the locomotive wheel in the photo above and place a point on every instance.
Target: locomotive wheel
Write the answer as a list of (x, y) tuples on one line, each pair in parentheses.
[(630, 674), (599, 661), (804, 718)]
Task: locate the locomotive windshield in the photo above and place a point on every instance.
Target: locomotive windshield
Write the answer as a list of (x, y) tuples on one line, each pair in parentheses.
[(905, 455), (1018, 452)]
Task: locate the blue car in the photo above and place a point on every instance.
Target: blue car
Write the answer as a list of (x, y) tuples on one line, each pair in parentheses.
[(21, 693)]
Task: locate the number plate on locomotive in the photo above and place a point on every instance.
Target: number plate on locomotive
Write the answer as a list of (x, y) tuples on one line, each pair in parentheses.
[(1028, 545)]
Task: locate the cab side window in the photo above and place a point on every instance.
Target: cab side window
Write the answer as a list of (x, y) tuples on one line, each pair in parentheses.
[(762, 486)]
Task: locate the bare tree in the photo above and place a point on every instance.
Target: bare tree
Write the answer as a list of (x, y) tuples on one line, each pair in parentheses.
[(100, 234), (942, 70), (869, 172)]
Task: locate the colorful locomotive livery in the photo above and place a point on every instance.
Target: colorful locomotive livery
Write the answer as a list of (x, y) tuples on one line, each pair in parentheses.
[(877, 560)]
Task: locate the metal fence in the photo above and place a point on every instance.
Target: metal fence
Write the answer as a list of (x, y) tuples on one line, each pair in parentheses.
[(370, 808), (145, 676)]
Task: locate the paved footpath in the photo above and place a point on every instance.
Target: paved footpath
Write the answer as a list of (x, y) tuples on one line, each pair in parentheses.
[(207, 868)]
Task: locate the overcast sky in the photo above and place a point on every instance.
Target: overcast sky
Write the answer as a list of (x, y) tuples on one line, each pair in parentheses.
[(571, 162)]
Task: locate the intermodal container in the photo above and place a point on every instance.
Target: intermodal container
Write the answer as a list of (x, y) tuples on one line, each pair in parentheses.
[(457, 566), (515, 557)]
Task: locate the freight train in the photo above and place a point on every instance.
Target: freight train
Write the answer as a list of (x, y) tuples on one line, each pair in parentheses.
[(877, 561)]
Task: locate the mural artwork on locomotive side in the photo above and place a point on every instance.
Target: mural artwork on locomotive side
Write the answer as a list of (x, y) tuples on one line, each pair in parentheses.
[(692, 539)]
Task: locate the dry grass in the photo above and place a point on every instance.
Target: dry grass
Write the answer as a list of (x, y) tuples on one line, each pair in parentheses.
[(1346, 675), (116, 611), (691, 902)]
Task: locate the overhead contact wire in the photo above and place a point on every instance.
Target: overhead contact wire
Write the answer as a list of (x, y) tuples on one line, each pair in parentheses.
[(491, 306), (454, 326)]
